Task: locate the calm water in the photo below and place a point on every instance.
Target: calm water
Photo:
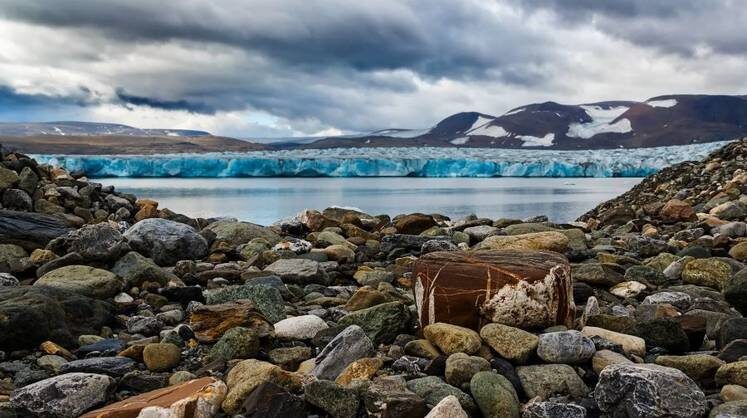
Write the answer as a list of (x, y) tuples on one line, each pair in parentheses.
[(265, 200)]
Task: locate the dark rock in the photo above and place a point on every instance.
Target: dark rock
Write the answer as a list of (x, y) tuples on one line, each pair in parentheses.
[(63, 396), (183, 295), (665, 333), (331, 398), (30, 230), (733, 351), (35, 314), (166, 242), (269, 400), (109, 346), (389, 397), (735, 291), (732, 329), (382, 323), (349, 345), (113, 366), (142, 381), (639, 391)]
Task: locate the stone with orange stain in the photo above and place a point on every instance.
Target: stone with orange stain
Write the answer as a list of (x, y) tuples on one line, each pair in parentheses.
[(199, 398), (210, 322), (363, 368), (52, 348)]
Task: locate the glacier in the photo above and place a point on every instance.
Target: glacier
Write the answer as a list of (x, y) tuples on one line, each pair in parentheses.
[(388, 162)]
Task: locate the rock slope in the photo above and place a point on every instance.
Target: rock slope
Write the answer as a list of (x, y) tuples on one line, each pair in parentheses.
[(111, 306)]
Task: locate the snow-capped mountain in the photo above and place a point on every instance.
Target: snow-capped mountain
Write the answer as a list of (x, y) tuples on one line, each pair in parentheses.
[(71, 128), (659, 121)]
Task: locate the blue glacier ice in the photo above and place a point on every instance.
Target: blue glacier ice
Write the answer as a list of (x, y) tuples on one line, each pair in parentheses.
[(388, 162)]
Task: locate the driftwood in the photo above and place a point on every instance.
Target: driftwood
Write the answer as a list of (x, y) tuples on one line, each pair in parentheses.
[(525, 289), (30, 230)]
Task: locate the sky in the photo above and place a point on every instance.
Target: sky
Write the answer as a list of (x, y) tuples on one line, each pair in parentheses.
[(279, 68)]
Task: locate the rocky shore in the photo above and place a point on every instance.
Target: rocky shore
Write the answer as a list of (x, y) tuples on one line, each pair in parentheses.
[(113, 307)]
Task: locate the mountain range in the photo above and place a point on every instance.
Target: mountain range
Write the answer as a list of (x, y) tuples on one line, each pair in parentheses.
[(659, 121)]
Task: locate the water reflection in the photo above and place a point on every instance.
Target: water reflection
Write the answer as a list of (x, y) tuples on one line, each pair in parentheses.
[(265, 200)]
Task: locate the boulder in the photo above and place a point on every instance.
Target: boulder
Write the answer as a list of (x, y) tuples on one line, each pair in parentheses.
[(513, 344), (676, 210), (567, 347), (297, 270), (449, 407), (84, 280), (414, 224), (269, 400), (699, 367), (349, 345), (732, 373), (547, 379), (517, 288), (166, 242), (388, 396), (630, 343), (434, 390), (268, 299), (550, 241), (452, 339), (302, 327), (135, 269), (552, 409), (64, 396), (735, 291), (210, 322), (494, 395), (382, 323), (236, 233), (194, 398), (112, 366), (337, 401), (30, 230), (159, 357), (33, 314), (709, 272), (237, 342), (247, 375), (648, 390), (101, 242), (461, 367)]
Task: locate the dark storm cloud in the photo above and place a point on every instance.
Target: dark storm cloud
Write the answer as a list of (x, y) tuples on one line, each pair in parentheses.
[(433, 38), (672, 26), (11, 99), (165, 104)]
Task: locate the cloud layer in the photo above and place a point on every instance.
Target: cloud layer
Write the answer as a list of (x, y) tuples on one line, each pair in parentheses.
[(294, 67)]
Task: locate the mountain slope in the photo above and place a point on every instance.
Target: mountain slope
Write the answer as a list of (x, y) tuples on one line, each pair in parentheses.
[(659, 121)]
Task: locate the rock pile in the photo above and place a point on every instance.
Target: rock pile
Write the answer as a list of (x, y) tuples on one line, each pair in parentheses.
[(113, 307)]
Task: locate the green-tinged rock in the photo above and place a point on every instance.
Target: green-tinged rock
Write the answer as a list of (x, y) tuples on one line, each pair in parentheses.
[(699, 367), (13, 258), (382, 323), (513, 344), (461, 367), (709, 272), (238, 342), (495, 395), (135, 269), (84, 280), (433, 390), (547, 379), (268, 299), (337, 401), (236, 233)]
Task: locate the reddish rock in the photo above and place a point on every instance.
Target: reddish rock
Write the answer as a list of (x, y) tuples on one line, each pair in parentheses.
[(414, 224), (147, 212), (210, 322), (195, 398), (676, 210), (519, 288)]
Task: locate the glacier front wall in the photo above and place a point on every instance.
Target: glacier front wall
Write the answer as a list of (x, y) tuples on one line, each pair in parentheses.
[(388, 162)]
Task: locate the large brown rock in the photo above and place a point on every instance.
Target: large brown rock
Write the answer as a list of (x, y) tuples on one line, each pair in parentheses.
[(520, 288), (195, 398), (676, 210), (210, 322), (414, 223)]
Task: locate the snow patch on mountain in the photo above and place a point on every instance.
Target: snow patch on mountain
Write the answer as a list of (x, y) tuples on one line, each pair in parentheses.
[(534, 141), (662, 103), (601, 122), (460, 141), (481, 120), (401, 133), (494, 131)]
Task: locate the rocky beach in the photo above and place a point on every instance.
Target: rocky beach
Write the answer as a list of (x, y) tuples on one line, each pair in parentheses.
[(111, 306)]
